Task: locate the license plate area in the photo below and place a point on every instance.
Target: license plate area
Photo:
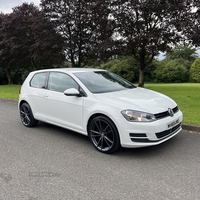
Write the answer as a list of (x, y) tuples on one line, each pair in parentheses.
[(172, 124)]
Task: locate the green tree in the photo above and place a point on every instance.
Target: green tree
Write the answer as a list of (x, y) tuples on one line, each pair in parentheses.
[(185, 52), (195, 71)]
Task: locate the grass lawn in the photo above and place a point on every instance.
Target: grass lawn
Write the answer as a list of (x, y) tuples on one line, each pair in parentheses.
[(9, 91), (187, 96)]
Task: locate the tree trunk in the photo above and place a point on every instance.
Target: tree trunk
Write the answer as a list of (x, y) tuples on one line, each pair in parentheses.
[(141, 77), (9, 77)]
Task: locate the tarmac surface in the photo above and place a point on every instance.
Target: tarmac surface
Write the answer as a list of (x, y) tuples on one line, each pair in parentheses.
[(50, 163)]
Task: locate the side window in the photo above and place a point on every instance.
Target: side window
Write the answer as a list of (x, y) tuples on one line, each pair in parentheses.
[(38, 80), (60, 82)]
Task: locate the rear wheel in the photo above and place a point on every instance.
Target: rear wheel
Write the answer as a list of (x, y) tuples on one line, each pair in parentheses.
[(26, 115), (104, 135)]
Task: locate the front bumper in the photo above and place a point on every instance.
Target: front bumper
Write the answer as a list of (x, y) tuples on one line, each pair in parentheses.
[(143, 134)]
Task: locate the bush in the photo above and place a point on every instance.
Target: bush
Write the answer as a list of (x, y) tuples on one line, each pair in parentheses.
[(124, 66), (127, 67), (171, 71), (195, 71)]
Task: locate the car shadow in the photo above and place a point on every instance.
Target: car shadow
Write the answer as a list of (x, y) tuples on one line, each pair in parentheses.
[(63, 132), (82, 140), (163, 149)]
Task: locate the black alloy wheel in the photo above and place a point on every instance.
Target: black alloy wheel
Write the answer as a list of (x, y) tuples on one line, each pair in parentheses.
[(27, 116), (104, 135)]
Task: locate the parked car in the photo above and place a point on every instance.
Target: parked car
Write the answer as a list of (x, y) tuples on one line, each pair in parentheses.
[(100, 104)]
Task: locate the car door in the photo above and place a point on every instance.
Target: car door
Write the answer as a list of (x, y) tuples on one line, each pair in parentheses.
[(59, 109)]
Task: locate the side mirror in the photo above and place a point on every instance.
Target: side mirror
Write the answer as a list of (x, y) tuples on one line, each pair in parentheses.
[(72, 92)]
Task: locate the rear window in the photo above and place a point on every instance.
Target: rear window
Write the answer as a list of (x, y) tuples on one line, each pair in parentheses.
[(39, 80)]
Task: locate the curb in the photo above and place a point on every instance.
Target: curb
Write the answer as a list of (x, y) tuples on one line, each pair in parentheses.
[(189, 127)]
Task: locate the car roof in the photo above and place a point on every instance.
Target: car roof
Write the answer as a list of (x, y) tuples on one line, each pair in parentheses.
[(69, 70)]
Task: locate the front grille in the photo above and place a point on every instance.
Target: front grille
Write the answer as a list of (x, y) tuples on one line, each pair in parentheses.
[(175, 110), (166, 113), (168, 132)]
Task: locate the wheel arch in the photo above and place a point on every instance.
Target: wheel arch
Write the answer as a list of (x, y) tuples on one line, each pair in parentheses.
[(101, 114), (27, 114), (21, 102)]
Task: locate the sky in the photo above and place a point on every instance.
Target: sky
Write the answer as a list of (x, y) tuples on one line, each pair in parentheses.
[(7, 5)]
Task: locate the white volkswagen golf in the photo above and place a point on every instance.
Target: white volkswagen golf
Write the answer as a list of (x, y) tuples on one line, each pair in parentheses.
[(100, 104)]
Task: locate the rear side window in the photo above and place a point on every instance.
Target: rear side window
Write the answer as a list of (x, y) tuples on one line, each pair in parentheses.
[(39, 80)]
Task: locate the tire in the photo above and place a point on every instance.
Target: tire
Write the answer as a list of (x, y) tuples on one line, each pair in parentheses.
[(104, 134), (26, 115)]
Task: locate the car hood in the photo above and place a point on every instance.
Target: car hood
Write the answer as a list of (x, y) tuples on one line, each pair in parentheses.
[(138, 99)]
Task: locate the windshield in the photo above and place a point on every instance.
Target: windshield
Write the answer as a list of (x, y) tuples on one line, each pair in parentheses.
[(103, 81)]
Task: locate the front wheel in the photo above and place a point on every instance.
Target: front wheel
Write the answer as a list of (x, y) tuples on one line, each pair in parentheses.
[(104, 135), (26, 115)]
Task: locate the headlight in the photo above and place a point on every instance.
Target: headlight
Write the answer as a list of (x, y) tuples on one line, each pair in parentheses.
[(137, 116)]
